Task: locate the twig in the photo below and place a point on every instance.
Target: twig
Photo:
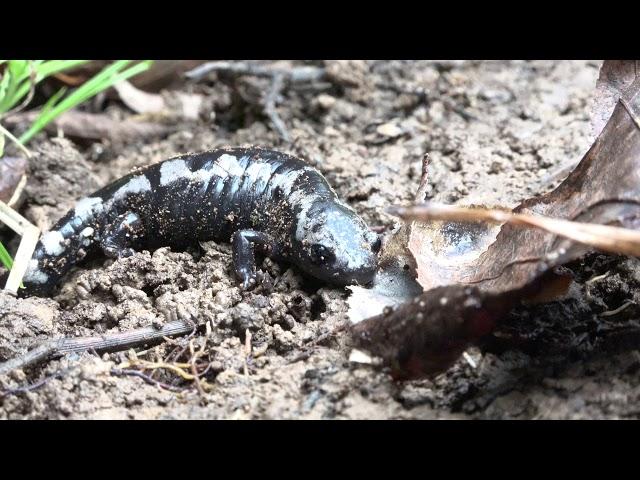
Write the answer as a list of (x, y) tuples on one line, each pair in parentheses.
[(617, 240), (96, 126), (293, 74), (610, 313), (8, 134), (308, 349), (279, 77), (104, 343), (33, 386), (30, 234), (597, 278), (247, 351), (421, 194), (172, 355), (469, 359), (177, 368), (121, 372), (422, 94), (277, 84), (194, 370)]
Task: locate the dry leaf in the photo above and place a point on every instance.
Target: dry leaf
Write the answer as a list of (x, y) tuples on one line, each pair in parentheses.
[(394, 282), (138, 100), (604, 188), (161, 74), (616, 76), (474, 272)]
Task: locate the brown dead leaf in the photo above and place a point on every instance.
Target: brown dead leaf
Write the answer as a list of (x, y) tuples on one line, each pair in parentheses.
[(616, 76), (161, 74), (170, 104), (395, 279), (138, 100), (604, 188), (474, 272)]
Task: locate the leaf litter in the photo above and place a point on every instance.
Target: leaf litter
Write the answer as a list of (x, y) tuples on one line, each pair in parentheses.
[(474, 264)]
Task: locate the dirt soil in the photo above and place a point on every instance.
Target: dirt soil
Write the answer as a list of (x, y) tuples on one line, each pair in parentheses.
[(497, 132)]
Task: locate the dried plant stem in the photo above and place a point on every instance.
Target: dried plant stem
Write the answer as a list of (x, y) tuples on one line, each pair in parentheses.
[(100, 343), (617, 240), (280, 78), (292, 74), (9, 135), (30, 234)]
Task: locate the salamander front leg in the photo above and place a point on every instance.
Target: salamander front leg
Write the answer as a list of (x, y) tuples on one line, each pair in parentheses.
[(245, 243), (121, 235)]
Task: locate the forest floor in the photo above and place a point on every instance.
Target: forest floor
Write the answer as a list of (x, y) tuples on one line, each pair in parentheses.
[(497, 133)]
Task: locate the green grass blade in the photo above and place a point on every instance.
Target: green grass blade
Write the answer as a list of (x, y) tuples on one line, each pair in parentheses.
[(4, 84), (18, 68), (44, 70), (19, 77), (17, 71), (56, 66), (53, 100), (5, 257), (105, 79)]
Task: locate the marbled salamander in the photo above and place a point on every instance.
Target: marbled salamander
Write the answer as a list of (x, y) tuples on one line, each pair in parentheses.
[(260, 200)]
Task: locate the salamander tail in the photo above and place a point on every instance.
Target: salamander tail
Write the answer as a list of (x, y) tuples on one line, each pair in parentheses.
[(62, 247)]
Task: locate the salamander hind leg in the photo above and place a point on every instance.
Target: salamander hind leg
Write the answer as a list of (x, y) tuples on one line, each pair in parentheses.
[(245, 243), (121, 236)]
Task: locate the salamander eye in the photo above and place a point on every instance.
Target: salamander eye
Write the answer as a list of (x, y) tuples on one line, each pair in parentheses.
[(376, 245), (320, 255)]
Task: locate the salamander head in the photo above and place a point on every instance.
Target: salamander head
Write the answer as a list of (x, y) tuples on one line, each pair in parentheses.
[(331, 242)]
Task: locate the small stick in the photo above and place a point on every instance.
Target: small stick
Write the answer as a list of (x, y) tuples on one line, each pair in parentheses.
[(33, 386), (103, 343), (293, 74), (617, 240), (96, 126), (610, 313), (421, 194), (30, 235), (270, 106), (278, 77), (7, 133), (23, 257), (194, 370), (308, 349), (247, 351), (121, 372)]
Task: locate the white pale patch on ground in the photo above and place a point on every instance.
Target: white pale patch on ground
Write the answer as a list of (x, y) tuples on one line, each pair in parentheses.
[(358, 356), (53, 242)]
